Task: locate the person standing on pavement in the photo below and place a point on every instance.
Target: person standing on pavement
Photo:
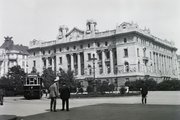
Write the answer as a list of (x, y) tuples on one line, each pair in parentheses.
[(54, 92), (1, 96), (144, 92), (65, 95), (46, 92)]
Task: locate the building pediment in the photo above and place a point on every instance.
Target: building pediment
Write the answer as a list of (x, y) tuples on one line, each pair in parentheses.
[(75, 34)]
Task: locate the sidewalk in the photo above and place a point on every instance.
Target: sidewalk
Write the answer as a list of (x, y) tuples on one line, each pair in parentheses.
[(25, 108)]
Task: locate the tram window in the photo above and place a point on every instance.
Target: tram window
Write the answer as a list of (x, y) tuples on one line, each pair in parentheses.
[(31, 80), (35, 81), (39, 79), (27, 82)]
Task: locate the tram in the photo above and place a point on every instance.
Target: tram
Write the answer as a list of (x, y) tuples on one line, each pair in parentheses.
[(33, 86)]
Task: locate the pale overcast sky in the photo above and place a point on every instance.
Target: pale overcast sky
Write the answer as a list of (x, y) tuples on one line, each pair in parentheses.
[(26, 20)]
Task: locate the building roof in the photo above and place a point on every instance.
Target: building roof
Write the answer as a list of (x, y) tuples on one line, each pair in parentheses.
[(121, 29), (75, 29), (9, 45)]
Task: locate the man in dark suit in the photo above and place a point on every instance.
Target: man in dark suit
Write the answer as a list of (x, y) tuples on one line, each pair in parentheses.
[(144, 92), (54, 92), (1, 96), (65, 95)]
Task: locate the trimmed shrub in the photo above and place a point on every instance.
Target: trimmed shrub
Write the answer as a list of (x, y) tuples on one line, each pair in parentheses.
[(89, 89), (168, 85), (122, 90)]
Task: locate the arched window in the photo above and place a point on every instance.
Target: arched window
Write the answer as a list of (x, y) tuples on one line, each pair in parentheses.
[(90, 69), (138, 66), (126, 66)]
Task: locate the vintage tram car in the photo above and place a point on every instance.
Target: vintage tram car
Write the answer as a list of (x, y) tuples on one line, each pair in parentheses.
[(33, 86)]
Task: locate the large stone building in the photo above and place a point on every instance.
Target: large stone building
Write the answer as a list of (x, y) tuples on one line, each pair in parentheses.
[(11, 55), (125, 53)]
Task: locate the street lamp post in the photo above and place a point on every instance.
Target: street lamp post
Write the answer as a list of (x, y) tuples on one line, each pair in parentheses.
[(94, 77)]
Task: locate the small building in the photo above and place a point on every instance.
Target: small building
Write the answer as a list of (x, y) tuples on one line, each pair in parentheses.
[(11, 55)]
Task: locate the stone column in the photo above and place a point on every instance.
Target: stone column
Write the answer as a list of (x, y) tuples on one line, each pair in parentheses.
[(111, 62), (171, 66), (72, 62), (160, 62), (79, 64), (52, 63), (47, 63), (154, 69), (157, 68), (103, 62), (166, 65)]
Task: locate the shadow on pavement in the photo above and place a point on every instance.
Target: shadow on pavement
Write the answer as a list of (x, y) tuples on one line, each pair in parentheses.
[(8, 117), (113, 112)]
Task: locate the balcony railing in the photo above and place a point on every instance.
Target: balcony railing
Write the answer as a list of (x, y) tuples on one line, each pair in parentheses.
[(12, 58)]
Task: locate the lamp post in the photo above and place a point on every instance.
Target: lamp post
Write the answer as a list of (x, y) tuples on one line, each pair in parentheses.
[(94, 78)]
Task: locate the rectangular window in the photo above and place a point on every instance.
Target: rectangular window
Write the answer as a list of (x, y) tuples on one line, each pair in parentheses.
[(144, 52), (43, 52), (107, 55), (89, 56), (126, 52), (50, 61), (60, 60), (23, 63), (44, 62), (34, 63), (138, 52)]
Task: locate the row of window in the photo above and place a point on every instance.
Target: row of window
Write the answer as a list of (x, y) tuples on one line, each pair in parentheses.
[(154, 46), (144, 53), (74, 47), (16, 56)]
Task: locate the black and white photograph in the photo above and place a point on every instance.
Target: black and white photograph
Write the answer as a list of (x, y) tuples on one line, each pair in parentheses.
[(89, 60)]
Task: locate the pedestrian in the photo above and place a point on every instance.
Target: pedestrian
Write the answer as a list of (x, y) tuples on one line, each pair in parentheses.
[(1, 96), (65, 95), (54, 92), (46, 92), (144, 92)]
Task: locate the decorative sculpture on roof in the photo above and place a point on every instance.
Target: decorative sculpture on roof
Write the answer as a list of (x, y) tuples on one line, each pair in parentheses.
[(8, 38), (62, 31), (91, 26)]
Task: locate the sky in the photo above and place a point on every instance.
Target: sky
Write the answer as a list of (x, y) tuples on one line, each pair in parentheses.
[(26, 20)]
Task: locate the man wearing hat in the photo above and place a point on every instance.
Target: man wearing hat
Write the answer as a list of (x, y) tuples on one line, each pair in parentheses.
[(54, 92), (65, 95)]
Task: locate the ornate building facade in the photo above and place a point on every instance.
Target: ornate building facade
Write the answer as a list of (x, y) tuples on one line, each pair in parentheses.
[(11, 55), (125, 53)]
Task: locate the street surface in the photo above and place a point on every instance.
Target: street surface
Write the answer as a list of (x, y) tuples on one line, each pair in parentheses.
[(21, 107)]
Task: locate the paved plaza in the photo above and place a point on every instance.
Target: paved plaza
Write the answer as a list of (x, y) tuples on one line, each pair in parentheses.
[(161, 105)]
